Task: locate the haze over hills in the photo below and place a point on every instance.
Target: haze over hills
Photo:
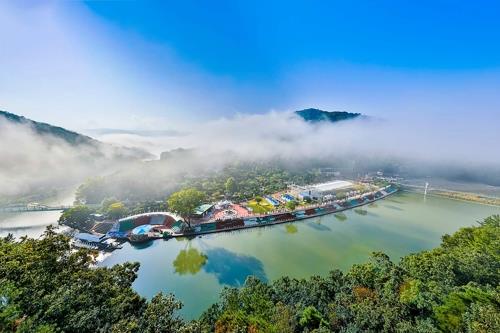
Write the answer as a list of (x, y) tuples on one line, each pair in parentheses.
[(47, 129), (39, 159), (39, 156), (73, 138)]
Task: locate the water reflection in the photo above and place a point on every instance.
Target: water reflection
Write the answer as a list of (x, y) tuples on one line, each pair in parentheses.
[(291, 229), (232, 268), (393, 207), (361, 211), (373, 205), (143, 245), (394, 200), (318, 226), (340, 216), (189, 261)]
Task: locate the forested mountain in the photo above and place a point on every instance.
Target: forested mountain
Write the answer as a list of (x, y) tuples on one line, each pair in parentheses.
[(45, 286), (70, 137), (47, 129), (316, 115), (41, 161)]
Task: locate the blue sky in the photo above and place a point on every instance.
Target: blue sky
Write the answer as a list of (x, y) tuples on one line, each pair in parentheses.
[(150, 64), (254, 39)]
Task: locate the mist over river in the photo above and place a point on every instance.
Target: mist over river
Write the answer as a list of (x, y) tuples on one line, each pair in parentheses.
[(31, 224), (196, 270)]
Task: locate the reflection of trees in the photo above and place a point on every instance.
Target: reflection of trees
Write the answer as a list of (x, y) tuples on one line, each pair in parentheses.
[(360, 211), (291, 229), (189, 261), (340, 216), (232, 268)]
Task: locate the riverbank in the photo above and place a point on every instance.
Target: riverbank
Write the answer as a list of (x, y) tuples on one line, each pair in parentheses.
[(255, 221), (456, 195), (471, 197)]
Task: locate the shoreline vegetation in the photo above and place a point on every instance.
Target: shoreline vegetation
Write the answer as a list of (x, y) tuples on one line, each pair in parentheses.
[(46, 286), (457, 195), (464, 196)]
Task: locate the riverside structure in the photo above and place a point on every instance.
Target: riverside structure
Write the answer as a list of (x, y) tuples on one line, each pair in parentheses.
[(147, 226)]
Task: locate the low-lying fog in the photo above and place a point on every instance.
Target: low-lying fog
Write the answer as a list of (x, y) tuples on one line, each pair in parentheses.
[(443, 147)]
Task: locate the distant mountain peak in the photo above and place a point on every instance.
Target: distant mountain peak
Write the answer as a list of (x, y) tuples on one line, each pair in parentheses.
[(316, 115), (47, 129)]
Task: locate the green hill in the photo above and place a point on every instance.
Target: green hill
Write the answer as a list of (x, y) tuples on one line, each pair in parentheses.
[(74, 138), (47, 129), (316, 115)]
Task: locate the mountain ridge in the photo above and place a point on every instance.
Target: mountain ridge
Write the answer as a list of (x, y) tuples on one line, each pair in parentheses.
[(72, 138), (42, 128), (313, 115)]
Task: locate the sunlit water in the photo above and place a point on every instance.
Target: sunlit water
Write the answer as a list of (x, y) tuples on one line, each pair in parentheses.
[(196, 270)]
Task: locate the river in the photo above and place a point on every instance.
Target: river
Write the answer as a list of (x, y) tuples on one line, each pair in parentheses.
[(196, 270), (31, 224)]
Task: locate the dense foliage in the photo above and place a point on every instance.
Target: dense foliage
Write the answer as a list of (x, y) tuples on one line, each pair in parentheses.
[(46, 287), (453, 288), (237, 181), (241, 181), (78, 217)]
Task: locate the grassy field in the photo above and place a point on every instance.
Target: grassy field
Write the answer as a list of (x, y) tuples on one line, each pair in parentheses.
[(261, 207)]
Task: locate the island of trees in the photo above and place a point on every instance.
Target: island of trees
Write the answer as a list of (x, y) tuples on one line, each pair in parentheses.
[(45, 286)]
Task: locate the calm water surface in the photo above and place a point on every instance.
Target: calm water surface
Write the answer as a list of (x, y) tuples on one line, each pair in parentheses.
[(30, 224), (196, 270)]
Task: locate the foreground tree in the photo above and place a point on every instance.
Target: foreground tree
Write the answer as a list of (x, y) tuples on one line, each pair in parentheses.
[(184, 203), (45, 286)]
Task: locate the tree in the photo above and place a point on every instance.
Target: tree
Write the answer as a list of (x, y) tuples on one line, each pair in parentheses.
[(52, 288), (77, 217), (106, 203), (291, 205), (311, 318), (184, 203), (160, 316), (116, 210), (230, 185)]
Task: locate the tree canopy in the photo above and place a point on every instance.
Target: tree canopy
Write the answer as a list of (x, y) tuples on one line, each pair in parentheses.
[(78, 217), (184, 202)]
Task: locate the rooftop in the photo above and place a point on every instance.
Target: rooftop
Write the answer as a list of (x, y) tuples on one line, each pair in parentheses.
[(88, 237), (202, 209), (330, 186)]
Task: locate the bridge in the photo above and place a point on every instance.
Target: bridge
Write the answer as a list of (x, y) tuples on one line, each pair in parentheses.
[(32, 208)]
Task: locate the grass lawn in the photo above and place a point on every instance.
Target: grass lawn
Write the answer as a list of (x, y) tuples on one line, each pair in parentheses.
[(260, 208)]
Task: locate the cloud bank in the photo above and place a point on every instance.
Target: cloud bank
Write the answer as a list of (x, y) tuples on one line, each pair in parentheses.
[(34, 163), (284, 135), (37, 163)]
